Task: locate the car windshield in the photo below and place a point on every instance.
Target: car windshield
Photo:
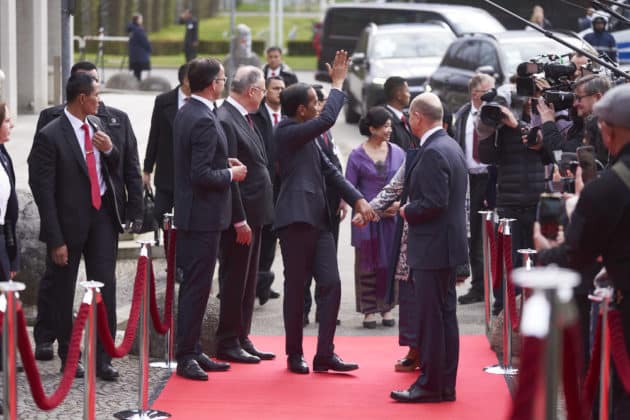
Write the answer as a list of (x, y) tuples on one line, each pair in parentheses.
[(474, 21), (518, 50), (411, 45)]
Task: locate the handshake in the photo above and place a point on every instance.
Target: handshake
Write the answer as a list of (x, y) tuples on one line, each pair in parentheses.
[(360, 220), (364, 213)]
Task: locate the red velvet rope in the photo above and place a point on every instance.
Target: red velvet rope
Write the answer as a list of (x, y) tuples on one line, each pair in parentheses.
[(134, 314), (72, 360), (592, 376), (618, 349), (571, 366), (163, 327), (1, 322), (497, 261), (165, 240), (529, 379), (511, 304)]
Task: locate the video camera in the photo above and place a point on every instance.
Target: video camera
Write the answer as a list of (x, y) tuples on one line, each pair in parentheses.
[(556, 73)]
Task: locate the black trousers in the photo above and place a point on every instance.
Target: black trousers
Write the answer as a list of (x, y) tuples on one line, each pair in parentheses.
[(478, 187), (56, 289), (196, 256), (268, 242), (438, 333), (307, 252), (239, 266), (164, 201), (409, 312)]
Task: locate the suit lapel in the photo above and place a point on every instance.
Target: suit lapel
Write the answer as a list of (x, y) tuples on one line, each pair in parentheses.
[(252, 135), (421, 150), (171, 107), (71, 140)]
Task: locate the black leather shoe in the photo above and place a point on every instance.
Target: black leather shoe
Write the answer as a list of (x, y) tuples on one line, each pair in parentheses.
[(334, 362), (305, 321), (237, 355), (297, 364), (263, 297), (209, 365), (262, 355), (470, 297), (273, 294), (80, 372), (107, 372), (415, 394), (44, 351), (448, 394), (190, 369)]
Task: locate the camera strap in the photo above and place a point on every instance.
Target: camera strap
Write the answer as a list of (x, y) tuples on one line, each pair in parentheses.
[(623, 172)]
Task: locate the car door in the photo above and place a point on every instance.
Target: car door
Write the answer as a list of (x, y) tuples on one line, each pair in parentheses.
[(359, 66)]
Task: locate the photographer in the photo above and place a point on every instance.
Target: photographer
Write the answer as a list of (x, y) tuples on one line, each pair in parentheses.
[(600, 223), (520, 173)]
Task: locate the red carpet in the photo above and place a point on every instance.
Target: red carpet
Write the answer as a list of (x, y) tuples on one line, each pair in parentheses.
[(269, 391)]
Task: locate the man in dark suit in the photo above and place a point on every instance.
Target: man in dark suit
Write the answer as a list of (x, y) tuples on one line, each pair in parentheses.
[(78, 180), (203, 175), (252, 208), (436, 215), (303, 217), (275, 67), (266, 118), (478, 179), (191, 38), (159, 151), (397, 99)]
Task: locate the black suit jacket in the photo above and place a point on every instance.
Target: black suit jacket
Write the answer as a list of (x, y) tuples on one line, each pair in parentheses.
[(202, 176), (252, 199), (328, 147), (263, 123), (437, 181), (60, 183), (11, 215), (304, 169), (160, 145), (461, 119), (400, 135), (126, 175), (286, 73)]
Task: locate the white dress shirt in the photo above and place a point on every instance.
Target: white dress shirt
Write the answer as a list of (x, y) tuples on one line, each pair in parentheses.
[(5, 192), (428, 133), (181, 98), (271, 112), (474, 167)]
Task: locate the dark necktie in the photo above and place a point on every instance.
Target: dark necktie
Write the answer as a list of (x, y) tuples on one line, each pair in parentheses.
[(249, 121), (273, 73), (405, 123), (275, 118), (325, 138), (475, 148), (214, 108), (90, 161)]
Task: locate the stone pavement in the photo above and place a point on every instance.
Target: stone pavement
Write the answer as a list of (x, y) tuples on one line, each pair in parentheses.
[(113, 397)]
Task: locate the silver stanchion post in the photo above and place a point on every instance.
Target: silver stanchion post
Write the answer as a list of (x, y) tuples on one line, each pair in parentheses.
[(505, 368), (603, 295), (170, 362), (89, 350), (143, 411), (486, 215), (546, 314), (10, 295)]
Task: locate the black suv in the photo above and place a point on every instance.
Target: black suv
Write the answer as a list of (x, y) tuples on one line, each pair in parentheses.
[(497, 54), (412, 51), (343, 24)]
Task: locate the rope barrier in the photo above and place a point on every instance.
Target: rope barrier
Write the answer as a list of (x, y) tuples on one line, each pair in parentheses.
[(134, 314), (163, 327), (592, 376), (511, 292), (619, 350), (528, 379), (496, 257), (72, 360), (571, 366)]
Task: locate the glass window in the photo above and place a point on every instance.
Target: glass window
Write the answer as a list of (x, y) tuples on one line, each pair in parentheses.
[(488, 56), (464, 55), (410, 45)]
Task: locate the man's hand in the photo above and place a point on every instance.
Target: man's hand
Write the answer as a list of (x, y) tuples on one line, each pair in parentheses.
[(146, 180), (239, 171), (541, 242), (342, 211), (508, 118), (363, 207), (392, 210), (12, 274), (243, 234), (102, 142), (134, 226), (59, 255), (339, 69), (547, 112), (358, 220)]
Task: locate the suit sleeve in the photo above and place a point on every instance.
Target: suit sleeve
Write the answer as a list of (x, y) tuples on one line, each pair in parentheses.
[(131, 174), (204, 140), (433, 176), (42, 180), (238, 210), (390, 193), (293, 137), (152, 145), (334, 177)]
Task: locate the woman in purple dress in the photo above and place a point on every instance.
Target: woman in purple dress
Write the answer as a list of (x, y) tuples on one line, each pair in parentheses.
[(370, 167)]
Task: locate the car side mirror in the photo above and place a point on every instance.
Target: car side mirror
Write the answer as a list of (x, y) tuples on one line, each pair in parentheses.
[(358, 58), (489, 70)]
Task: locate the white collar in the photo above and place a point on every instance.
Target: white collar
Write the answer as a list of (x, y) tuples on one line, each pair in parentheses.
[(74, 121), (396, 112), (428, 134), (237, 105), (474, 110), (203, 100)]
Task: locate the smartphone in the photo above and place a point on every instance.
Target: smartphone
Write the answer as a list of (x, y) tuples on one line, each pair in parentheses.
[(549, 214), (586, 160)]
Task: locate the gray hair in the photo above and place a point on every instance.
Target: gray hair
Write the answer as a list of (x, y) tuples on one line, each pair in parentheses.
[(428, 105), (478, 79), (245, 77), (593, 84)]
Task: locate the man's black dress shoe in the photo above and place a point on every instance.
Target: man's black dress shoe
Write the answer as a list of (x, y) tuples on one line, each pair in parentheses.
[(297, 364), (107, 373), (262, 355), (448, 394), (44, 351), (237, 355), (209, 365), (190, 369), (80, 372), (334, 362), (415, 394), (273, 294), (471, 297)]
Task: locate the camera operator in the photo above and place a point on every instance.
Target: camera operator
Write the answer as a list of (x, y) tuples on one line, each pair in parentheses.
[(600, 223), (588, 91), (520, 174)]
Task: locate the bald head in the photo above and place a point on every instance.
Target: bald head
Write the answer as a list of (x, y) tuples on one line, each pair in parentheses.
[(429, 106)]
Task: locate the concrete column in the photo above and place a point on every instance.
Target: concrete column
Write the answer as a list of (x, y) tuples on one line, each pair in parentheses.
[(8, 53), (33, 62), (54, 50)]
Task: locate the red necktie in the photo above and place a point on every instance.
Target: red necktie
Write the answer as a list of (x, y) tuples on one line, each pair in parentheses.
[(326, 138), (249, 121), (475, 150), (90, 160), (273, 74), (275, 118), (404, 121)]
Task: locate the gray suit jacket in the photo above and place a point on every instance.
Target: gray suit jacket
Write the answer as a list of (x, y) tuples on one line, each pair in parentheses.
[(436, 215)]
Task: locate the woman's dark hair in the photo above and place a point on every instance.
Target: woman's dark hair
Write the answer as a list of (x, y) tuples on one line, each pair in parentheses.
[(376, 117), (294, 96)]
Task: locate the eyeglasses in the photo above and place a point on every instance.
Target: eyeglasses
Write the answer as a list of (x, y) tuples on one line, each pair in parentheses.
[(264, 91), (579, 98)]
